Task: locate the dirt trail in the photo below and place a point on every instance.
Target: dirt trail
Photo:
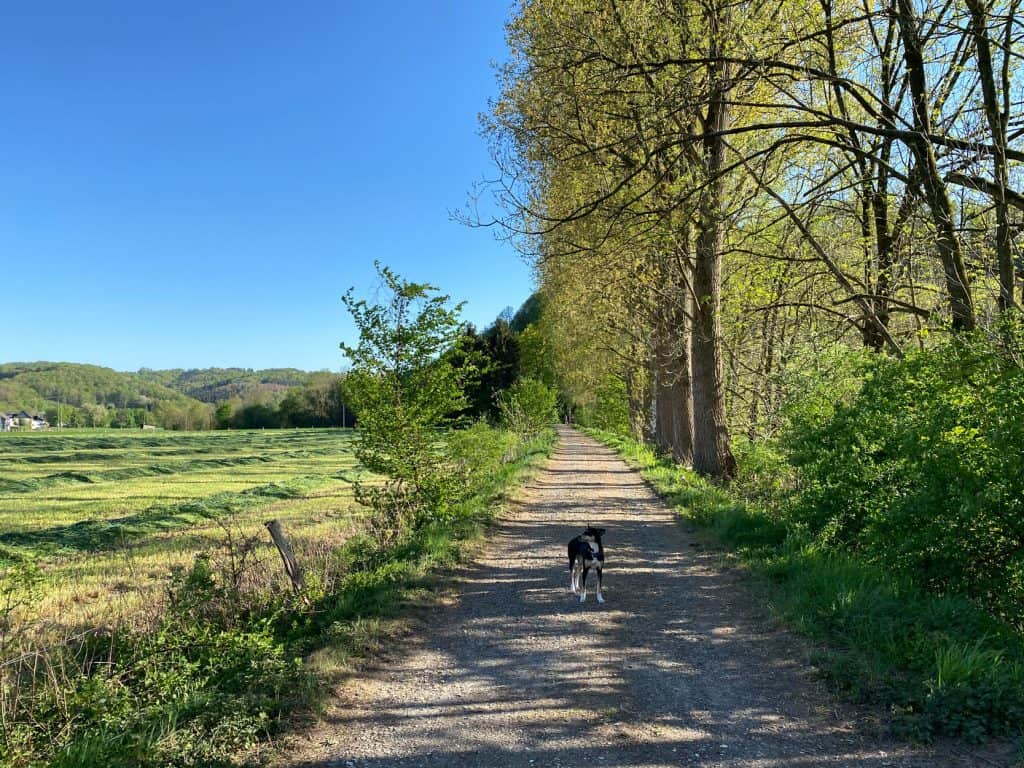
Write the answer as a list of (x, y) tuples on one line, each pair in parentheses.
[(679, 667)]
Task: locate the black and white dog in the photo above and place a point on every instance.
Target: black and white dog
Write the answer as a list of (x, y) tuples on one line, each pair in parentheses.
[(585, 552)]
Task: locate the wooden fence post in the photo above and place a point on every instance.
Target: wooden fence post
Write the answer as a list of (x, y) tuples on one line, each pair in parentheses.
[(291, 565)]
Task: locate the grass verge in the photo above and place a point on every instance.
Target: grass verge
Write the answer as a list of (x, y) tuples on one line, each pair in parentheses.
[(939, 664)]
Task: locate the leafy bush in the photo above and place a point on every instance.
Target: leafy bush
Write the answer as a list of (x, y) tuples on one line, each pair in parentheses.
[(528, 407), (609, 410), (403, 388), (195, 690), (763, 473), (922, 472), (479, 451)]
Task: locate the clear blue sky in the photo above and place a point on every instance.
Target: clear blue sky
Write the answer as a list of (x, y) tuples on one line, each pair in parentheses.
[(195, 184)]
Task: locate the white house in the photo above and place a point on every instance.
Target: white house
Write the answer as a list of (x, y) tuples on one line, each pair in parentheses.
[(10, 421)]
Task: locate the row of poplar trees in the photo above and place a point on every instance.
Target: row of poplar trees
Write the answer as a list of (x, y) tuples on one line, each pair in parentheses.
[(715, 193)]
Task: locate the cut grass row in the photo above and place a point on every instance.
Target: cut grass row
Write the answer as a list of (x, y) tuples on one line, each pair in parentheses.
[(59, 447), (102, 534), (70, 477), (128, 582), (13, 484), (119, 486), (116, 439), (106, 534)]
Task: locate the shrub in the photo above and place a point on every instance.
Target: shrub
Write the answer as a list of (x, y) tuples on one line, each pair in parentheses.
[(922, 472), (941, 664), (609, 410), (763, 473), (403, 388), (528, 407), (195, 689), (479, 450)]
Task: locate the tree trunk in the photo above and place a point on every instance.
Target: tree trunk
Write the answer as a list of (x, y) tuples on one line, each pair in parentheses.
[(673, 396), (664, 394), (997, 124), (682, 380), (640, 397), (935, 192), (646, 407), (682, 412), (711, 452)]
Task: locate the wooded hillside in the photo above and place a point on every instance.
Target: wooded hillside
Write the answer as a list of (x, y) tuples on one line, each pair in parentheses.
[(214, 385), (88, 395)]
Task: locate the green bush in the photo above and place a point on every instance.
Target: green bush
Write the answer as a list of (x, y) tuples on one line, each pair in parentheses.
[(609, 410), (763, 473), (198, 688), (404, 388), (528, 407), (479, 450), (922, 472)]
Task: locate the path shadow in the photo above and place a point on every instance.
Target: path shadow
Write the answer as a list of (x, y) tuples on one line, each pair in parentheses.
[(676, 668)]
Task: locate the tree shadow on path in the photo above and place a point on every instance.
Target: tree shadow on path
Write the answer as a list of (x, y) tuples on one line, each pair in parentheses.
[(678, 667)]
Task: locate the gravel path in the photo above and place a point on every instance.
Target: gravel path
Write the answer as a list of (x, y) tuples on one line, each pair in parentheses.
[(679, 667)]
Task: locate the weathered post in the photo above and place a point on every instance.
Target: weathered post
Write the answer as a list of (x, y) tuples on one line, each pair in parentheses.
[(291, 565)]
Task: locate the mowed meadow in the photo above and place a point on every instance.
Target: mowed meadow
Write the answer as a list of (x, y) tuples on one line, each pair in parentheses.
[(107, 516)]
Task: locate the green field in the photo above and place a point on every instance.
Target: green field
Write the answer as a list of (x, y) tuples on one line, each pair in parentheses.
[(107, 514)]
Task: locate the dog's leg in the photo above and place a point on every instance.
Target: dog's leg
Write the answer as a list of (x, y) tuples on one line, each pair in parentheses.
[(600, 581), (583, 584), (574, 578)]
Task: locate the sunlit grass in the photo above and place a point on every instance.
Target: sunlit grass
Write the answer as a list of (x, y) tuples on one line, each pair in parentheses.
[(108, 515)]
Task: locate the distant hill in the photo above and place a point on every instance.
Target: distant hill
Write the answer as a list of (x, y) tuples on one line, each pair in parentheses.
[(76, 394), (32, 386), (215, 385)]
